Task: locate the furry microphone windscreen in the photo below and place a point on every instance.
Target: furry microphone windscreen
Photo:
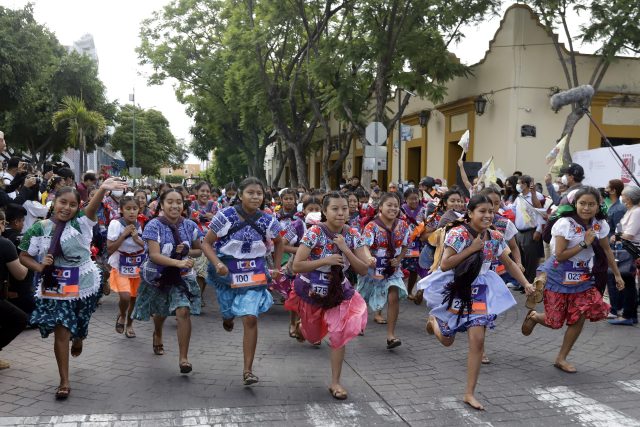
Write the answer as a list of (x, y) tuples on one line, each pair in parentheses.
[(581, 95)]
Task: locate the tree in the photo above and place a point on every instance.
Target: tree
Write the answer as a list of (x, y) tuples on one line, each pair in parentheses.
[(25, 49), (81, 124), (28, 123), (156, 147), (613, 24), (185, 42), (381, 46)]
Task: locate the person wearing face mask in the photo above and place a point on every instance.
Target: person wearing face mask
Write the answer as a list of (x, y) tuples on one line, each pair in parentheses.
[(529, 221), (112, 202), (616, 209), (572, 177)]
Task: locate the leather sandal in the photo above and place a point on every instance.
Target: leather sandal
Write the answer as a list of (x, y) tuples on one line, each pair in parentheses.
[(529, 323), (62, 392), (248, 378)]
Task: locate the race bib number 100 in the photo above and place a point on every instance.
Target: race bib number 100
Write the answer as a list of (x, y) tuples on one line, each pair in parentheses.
[(247, 272)]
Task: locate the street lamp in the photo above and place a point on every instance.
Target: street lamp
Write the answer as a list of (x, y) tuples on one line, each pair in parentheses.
[(480, 104), (132, 98)]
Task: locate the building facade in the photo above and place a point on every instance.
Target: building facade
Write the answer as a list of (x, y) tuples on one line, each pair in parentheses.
[(517, 76)]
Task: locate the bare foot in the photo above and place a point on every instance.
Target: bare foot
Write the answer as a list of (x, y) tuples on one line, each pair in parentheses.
[(338, 392), (470, 400), (565, 366)]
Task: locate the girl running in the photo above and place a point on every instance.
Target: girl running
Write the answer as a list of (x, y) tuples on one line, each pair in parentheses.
[(168, 283), (386, 237), (292, 238), (203, 210), (323, 297), (414, 215), (58, 249), (464, 293), (126, 253), (238, 267), (570, 296)]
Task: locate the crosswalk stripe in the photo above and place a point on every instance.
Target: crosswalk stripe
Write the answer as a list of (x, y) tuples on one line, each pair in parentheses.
[(587, 411), (632, 386)]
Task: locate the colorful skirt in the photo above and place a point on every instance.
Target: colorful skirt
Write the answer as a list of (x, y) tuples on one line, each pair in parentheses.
[(200, 266), (497, 299), (560, 308), (238, 302), (72, 314), (282, 285), (152, 300), (375, 291), (342, 323)]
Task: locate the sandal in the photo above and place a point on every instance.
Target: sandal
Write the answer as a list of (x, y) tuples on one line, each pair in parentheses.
[(119, 326), (248, 378), (62, 392), (529, 323), (417, 300), (429, 326), (380, 320), (292, 331), (76, 347), (158, 349), (185, 367), (537, 296), (485, 360), (393, 343), (130, 333), (227, 324), (299, 336), (338, 394)]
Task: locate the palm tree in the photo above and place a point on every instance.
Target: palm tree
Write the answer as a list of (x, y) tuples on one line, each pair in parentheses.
[(82, 124)]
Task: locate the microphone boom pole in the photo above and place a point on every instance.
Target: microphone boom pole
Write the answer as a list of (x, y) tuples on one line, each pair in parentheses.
[(606, 140)]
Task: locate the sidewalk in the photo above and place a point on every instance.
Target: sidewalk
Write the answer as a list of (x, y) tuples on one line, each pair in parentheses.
[(119, 381)]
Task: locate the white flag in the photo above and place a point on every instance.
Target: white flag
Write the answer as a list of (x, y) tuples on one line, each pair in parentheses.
[(464, 141)]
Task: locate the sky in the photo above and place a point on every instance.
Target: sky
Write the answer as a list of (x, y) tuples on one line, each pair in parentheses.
[(115, 24)]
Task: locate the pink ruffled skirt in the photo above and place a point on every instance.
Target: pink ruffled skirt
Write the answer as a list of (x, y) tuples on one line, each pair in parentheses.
[(342, 323)]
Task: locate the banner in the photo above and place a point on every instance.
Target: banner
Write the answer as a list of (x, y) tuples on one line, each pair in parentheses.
[(601, 164)]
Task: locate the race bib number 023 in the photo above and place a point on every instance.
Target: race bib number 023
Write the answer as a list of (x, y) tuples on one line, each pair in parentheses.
[(573, 278)]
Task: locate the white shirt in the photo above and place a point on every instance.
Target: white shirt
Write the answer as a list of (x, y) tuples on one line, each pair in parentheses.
[(630, 223), (574, 233), (7, 178), (128, 246)]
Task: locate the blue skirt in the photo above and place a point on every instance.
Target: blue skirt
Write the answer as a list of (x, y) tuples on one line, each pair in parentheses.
[(153, 301), (375, 291), (498, 300), (73, 315), (238, 302)]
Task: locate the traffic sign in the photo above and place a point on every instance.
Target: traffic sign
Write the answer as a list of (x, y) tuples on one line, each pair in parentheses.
[(376, 133)]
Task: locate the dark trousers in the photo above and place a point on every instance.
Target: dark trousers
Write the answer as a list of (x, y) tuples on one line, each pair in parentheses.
[(12, 322), (629, 297), (530, 251)]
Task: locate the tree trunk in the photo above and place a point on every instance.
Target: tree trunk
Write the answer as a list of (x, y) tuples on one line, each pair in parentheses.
[(282, 162), (301, 165)]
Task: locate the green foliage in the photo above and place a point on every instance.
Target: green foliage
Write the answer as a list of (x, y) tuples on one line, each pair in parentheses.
[(25, 48), (36, 73), (173, 179), (156, 147)]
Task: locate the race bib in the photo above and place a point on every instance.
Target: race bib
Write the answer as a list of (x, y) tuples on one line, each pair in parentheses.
[(247, 272), (130, 264), (320, 284), (413, 250), (579, 273), (381, 265), (68, 283), (498, 268), (479, 301), (573, 278)]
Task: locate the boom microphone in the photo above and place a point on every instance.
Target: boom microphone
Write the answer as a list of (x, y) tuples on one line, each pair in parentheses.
[(578, 95)]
